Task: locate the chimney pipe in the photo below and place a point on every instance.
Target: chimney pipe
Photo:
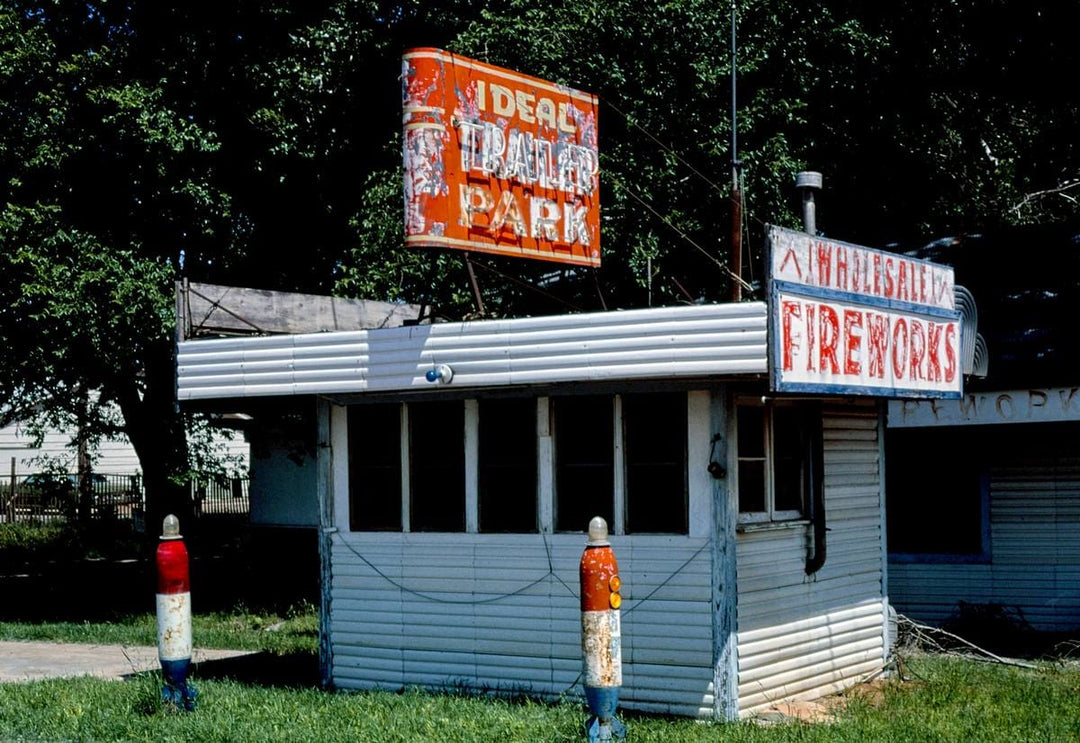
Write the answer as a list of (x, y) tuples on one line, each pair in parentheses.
[(807, 182)]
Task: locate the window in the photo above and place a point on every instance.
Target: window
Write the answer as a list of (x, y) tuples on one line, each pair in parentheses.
[(584, 460), (507, 465), (939, 512), (654, 431), (437, 466), (375, 467), (638, 483), (475, 465), (776, 447)]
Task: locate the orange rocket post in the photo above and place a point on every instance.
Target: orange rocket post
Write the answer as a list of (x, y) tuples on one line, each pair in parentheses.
[(601, 639)]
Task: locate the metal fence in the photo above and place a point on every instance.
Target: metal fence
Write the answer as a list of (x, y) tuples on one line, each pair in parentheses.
[(55, 497)]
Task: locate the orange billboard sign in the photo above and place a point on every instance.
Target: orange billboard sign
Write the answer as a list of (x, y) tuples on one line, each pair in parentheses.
[(498, 162)]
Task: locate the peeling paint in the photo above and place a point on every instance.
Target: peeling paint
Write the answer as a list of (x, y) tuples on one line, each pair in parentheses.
[(498, 162)]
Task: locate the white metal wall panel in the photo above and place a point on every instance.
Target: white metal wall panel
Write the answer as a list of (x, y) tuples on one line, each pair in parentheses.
[(703, 340), (428, 619), (805, 636), (1034, 560)]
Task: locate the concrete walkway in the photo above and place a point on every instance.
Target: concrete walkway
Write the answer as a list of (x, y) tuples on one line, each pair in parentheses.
[(31, 661)]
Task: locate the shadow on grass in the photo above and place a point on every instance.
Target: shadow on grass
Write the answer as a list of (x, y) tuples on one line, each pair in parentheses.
[(230, 565), (290, 670)]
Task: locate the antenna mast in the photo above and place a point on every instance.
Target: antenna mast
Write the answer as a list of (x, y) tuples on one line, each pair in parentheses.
[(736, 193)]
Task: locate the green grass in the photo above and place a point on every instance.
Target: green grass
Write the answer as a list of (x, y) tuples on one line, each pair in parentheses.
[(951, 700), (296, 631)]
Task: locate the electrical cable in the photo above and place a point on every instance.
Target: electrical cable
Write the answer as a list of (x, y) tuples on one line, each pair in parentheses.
[(723, 266)]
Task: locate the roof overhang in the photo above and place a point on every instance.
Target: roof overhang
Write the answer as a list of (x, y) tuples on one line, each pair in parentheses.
[(700, 341)]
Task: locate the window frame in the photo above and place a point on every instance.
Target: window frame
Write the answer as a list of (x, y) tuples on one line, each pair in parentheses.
[(546, 474), (770, 514)]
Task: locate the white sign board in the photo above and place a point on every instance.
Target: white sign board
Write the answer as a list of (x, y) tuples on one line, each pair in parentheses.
[(845, 319)]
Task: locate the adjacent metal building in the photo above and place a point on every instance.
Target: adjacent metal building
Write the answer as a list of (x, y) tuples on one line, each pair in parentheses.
[(454, 468), (994, 533)]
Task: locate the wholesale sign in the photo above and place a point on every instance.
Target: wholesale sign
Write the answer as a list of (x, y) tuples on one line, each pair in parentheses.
[(846, 319), (498, 162)]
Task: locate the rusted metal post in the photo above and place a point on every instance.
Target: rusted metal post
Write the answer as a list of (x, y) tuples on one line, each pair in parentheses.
[(174, 616), (601, 638)]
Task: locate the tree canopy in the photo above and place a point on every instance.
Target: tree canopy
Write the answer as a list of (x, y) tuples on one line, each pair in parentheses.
[(258, 144)]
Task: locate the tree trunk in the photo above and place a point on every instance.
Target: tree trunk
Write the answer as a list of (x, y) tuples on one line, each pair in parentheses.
[(156, 429)]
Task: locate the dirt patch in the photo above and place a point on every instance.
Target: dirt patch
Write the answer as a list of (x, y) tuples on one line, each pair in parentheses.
[(825, 709)]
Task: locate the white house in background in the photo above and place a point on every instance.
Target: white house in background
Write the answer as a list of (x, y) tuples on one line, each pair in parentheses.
[(453, 469), (110, 457)]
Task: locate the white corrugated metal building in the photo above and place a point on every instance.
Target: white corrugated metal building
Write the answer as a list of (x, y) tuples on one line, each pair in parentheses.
[(452, 511)]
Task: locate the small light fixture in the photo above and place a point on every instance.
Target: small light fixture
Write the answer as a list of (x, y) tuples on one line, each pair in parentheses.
[(440, 373)]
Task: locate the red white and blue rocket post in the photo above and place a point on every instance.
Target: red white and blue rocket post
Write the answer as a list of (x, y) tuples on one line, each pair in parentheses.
[(601, 637), (174, 616)]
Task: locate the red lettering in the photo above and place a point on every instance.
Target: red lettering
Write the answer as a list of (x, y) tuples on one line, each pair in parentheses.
[(788, 310), (853, 320), (933, 358), (890, 284), (877, 273), (878, 331), (829, 336), (811, 338), (900, 348), (901, 283), (791, 257), (918, 349), (841, 268), (824, 263), (950, 352), (922, 283)]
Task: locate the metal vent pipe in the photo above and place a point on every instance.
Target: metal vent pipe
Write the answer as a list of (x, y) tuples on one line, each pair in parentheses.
[(807, 182)]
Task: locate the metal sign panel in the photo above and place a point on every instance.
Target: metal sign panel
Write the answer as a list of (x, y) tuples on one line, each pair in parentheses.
[(844, 319), (498, 162)]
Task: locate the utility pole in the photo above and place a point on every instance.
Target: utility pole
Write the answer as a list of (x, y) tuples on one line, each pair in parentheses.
[(736, 193)]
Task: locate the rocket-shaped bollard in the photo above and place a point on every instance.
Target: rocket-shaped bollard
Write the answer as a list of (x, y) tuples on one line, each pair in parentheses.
[(174, 616), (601, 639)]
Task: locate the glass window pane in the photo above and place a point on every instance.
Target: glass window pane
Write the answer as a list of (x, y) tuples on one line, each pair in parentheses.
[(584, 460), (375, 467), (790, 452), (751, 435), (507, 486), (751, 485), (437, 466), (655, 451)]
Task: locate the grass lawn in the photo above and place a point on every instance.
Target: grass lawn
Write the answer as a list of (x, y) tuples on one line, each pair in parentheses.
[(948, 699), (272, 696)]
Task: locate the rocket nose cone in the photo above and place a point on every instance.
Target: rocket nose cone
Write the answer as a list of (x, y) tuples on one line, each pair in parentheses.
[(598, 532)]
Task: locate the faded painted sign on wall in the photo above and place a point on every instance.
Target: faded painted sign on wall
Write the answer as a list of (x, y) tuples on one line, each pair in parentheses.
[(1045, 405), (852, 320), (498, 162)]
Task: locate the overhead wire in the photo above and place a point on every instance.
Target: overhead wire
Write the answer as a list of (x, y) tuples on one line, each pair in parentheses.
[(681, 233)]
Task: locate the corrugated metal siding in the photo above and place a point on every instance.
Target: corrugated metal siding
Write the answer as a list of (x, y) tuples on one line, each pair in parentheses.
[(384, 636), (1034, 543), (721, 339), (805, 636)]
